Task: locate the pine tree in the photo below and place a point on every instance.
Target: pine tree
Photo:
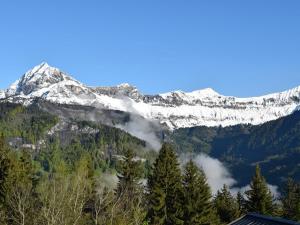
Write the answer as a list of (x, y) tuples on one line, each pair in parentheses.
[(130, 173), (291, 201), (165, 189), (259, 197), (198, 207), (4, 173), (226, 205), (129, 197), (241, 203), (4, 167)]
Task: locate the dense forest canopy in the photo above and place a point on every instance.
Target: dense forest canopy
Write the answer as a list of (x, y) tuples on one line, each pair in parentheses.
[(66, 171)]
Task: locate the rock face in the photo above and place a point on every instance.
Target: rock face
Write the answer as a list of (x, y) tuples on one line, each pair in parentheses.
[(176, 109)]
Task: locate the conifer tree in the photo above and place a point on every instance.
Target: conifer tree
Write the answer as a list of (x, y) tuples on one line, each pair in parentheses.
[(129, 175), (165, 190), (129, 204), (226, 205), (4, 173), (241, 203), (259, 197), (198, 207), (4, 167), (291, 201)]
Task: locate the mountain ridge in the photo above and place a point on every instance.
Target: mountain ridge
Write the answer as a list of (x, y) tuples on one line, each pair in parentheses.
[(175, 109)]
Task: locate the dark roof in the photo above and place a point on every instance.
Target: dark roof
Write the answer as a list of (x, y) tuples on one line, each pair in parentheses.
[(256, 219)]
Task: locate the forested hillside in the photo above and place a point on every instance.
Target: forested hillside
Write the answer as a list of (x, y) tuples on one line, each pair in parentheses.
[(275, 145), (58, 170), (40, 134)]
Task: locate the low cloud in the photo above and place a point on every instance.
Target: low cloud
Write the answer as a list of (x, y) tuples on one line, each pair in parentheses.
[(216, 173), (142, 129), (109, 180), (273, 189)]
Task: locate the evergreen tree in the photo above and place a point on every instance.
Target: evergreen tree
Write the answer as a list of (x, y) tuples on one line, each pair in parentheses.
[(20, 198), (198, 207), (4, 173), (165, 189), (241, 203), (129, 205), (4, 167), (130, 173), (226, 205), (259, 197), (291, 201)]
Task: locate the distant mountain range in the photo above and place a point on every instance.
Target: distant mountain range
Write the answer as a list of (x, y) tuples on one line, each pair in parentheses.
[(173, 110), (240, 132)]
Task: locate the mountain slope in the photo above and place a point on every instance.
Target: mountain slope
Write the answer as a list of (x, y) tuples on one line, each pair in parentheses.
[(275, 145), (175, 109), (35, 129)]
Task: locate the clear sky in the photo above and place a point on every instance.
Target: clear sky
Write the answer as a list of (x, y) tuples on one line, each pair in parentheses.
[(242, 48)]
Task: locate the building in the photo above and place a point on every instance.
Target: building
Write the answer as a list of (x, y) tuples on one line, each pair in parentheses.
[(256, 219)]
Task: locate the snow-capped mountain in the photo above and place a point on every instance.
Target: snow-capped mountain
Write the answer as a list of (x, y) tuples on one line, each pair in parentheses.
[(175, 109)]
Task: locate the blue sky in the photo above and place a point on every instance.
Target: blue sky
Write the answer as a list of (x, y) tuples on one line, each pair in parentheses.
[(242, 48)]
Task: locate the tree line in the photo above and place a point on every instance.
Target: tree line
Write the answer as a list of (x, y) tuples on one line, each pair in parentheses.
[(169, 195)]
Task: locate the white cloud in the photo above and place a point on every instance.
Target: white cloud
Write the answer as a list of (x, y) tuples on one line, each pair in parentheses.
[(142, 129), (273, 189), (217, 174)]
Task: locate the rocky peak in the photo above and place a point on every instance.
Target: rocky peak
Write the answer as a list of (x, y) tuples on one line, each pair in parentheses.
[(122, 90), (41, 76)]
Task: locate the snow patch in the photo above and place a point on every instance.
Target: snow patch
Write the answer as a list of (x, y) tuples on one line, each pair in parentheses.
[(2, 94)]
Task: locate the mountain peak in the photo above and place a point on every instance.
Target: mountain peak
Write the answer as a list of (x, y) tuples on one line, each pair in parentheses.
[(127, 86), (124, 85), (43, 68), (205, 92), (198, 94), (39, 77), (43, 64)]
